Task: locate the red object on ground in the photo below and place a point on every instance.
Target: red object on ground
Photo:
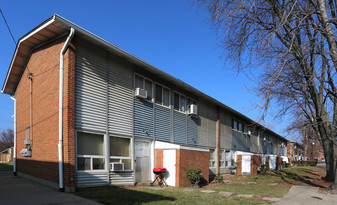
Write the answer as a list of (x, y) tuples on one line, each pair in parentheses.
[(159, 172)]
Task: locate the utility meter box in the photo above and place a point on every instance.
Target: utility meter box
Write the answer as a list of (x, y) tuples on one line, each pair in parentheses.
[(26, 152)]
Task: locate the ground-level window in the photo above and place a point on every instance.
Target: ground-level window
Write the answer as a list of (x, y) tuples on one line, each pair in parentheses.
[(226, 159), (212, 157), (90, 151), (120, 152)]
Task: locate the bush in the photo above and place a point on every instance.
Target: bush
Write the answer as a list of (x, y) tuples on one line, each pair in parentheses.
[(218, 179), (194, 176), (312, 163)]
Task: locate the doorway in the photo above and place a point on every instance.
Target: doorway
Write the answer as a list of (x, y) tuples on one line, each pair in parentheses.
[(143, 160), (169, 162)]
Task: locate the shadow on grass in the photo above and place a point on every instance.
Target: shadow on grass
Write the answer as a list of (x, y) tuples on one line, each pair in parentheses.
[(289, 176), (118, 195)]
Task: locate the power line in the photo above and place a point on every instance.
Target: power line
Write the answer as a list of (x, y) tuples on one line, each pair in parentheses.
[(8, 26), (3, 16)]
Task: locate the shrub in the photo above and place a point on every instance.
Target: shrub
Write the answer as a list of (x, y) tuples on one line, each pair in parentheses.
[(218, 179), (194, 176), (264, 168)]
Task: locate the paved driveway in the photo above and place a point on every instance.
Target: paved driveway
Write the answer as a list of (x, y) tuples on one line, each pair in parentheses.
[(17, 190)]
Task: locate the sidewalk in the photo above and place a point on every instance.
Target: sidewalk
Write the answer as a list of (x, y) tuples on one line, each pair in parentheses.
[(17, 190), (301, 194)]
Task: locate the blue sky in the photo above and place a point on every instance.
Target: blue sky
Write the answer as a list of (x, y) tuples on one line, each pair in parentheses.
[(171, 35)]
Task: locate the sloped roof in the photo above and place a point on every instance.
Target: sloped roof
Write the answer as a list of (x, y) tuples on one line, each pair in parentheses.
[(56, 26)]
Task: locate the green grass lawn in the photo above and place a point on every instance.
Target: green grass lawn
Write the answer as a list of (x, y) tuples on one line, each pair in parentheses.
[(4, 166), (273, 184)]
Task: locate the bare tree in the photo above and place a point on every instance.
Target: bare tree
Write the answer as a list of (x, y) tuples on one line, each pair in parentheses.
[(6, 139), (291, 45)]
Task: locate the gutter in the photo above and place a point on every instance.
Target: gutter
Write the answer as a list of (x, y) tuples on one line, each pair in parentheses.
[(14, 150), (60, 145)]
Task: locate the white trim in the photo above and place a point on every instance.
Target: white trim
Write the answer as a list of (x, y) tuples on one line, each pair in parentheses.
[(166, 145), (18, 46)]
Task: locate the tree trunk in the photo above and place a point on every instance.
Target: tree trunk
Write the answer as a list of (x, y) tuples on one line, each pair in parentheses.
[(329, 159)]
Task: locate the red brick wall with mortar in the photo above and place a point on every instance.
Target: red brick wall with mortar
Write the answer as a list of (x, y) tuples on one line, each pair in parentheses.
[(279, 161), (239, 164), (158, 158), (256, 161), (267, 162), (191, 159), (44, 64)]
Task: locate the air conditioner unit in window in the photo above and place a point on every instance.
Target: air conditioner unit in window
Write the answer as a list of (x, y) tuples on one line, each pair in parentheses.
[(116, 166), (193, 109), (141, 93)]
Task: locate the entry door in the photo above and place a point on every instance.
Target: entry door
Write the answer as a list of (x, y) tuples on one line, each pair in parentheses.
[(246, 159), (272, 162), (143, 168), (169, 162)]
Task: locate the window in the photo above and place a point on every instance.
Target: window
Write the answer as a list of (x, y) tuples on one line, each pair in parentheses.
[(179, 102), (90, 151), (234, 124), (162, 95), (120, 151), (212, 157), (146, 84), (222, 158), (239, 126)]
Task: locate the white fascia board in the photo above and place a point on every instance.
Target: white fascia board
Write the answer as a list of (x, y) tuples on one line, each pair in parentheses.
[(166, 145), (18, 46)]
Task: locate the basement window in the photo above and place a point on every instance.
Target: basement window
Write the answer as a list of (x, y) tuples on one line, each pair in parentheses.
[(90, 152)]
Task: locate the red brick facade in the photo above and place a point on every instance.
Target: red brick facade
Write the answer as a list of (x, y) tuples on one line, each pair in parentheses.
[(44, 66), (256, 161), (239, 164), (186, 159)]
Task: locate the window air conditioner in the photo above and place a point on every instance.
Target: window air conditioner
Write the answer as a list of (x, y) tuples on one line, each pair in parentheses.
[(116, 166), (193, 109), (141, 93)]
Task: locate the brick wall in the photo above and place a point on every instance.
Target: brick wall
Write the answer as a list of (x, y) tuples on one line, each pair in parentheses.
[(239, 164), (256, 161), (191, 159), (267, 162), (44, 65), (158, 158)]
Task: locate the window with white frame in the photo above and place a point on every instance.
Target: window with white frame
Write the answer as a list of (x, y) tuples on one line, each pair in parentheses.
[(222, 158), (162, 95), (90, 151), (143, 83), (179, 102), (120, 151), (212, 157)]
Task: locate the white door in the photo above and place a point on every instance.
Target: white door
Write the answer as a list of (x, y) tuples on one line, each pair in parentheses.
[(272, 162), (143, 168), (169, 162), (246, 159)]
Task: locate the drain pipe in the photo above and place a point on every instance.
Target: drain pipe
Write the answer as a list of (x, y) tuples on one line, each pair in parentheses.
[(14, 150), (60, 145)]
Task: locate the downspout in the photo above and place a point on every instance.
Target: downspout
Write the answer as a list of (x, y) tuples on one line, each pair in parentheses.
[(60, 145), (14, 150)]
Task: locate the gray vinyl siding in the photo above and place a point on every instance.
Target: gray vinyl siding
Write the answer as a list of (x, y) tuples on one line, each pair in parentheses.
[(163, 124), (121, 178), (192, 130), (120, 97), (91, 179), (203, 124), (90, 88), (212, 120), (143, 118), (179, 127), (225, 131), (241, 141)]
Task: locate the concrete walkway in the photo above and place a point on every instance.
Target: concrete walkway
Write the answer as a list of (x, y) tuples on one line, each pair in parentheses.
[(17, 190), (299, 194)]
